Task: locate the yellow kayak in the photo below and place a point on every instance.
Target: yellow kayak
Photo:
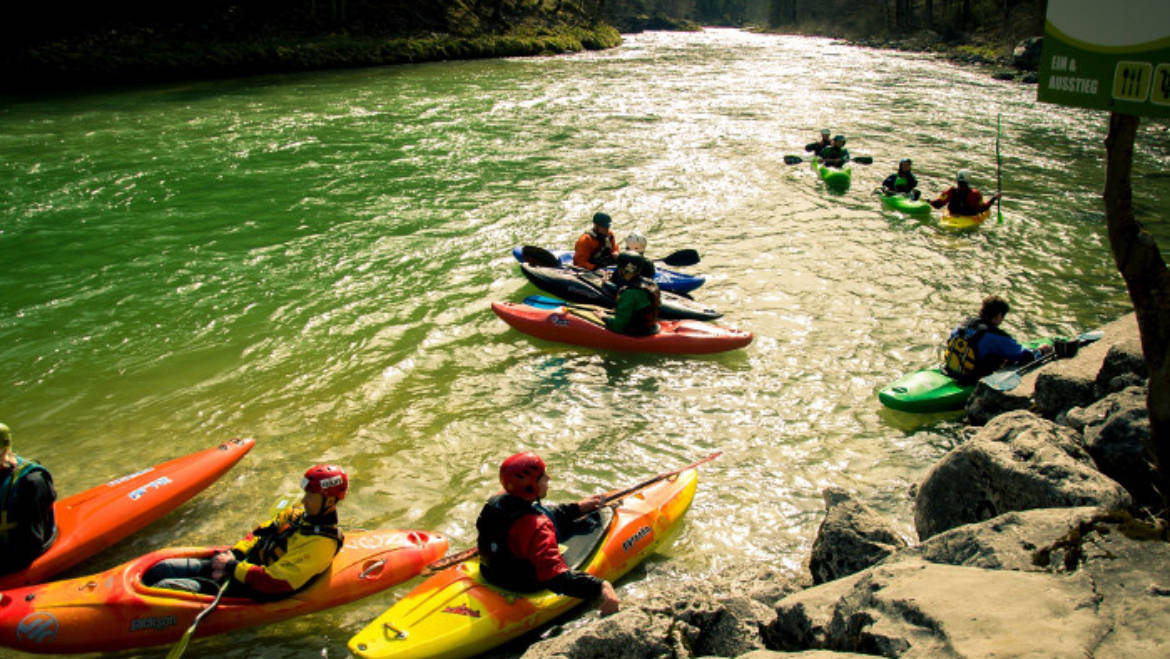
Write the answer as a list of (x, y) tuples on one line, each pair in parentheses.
[(455, 613), (962, 222)]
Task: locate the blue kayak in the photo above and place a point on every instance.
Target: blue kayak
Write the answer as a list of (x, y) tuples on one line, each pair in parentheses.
[(667, 280)]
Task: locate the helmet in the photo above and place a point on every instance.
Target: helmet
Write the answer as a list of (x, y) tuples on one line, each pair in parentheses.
[(825, 131), (602, 219), (633, 263), (636, 242), (520, 473), (5, 437), (327, 480), (838, 137), (963, 177), (904, 161)]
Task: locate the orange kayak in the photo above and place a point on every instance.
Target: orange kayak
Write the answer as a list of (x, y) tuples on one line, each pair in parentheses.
[(95, 519), (456, 613), (962, 222), (115, 611)]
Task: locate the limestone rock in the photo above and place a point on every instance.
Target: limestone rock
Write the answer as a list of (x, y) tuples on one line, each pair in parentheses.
[(1018, 461), (1026, 55), (1117, 432), (851, 538), (1008, 542)]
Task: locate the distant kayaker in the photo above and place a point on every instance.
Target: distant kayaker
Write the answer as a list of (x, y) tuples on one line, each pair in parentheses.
[(835, 155), (597, 247), (518, 536), (962, 199), (819, 145), (637, 300), (902, 182), (636, 242), (279, 557), (979, 347), (27, 523)]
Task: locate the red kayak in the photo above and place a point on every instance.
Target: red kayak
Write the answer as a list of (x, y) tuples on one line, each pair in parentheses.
[(569, 325), (115, 611), (95, 519)]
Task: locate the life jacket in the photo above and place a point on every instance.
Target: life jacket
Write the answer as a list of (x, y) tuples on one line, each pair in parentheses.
[(9, 489), (273, 539), (961, 358), (496, 560), (646, 321), (964, 204), (602, 254)]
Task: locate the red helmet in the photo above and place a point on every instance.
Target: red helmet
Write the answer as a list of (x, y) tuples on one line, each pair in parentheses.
[(327, 480), (520, 473)]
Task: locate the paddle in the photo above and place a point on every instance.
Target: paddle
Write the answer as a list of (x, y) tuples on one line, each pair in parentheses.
[(998, 173), (453, 559), (539, 256), (542, 302), (181, 646), (1007, 380), (861, 160)]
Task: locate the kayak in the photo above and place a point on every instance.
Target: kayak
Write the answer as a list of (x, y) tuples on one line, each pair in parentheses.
[(95, 519), (903, 204), (567, 325), (834, 178), (456, 613), (594, 288), (667, 280), (962, 222), (931, 390), (113, 610)]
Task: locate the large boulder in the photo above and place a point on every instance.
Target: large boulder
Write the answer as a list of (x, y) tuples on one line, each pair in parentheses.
[(1017, 461), (1026, 54), (1124, 366), (1011, 541), (851, 538), (1117, 434)]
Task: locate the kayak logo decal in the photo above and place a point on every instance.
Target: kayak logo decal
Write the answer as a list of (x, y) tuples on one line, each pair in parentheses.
[(153, 485), (633, 540), (119, 481), (160, 622), (559, 321), (462, 610), (38, 627)]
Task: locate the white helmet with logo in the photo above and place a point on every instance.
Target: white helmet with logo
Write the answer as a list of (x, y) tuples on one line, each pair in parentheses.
[(636, 242)]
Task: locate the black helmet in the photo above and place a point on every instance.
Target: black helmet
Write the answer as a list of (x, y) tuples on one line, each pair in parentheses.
[(633, 263)]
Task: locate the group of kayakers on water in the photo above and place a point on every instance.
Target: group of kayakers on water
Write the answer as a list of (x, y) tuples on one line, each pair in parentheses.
[(518, 535), (960, 198), (638, 298)]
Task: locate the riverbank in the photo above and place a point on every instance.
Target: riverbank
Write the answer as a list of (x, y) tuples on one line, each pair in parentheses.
[(1033, 539)]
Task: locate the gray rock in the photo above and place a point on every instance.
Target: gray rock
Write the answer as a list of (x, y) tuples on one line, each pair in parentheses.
[(1018, 461), (1008, 542), (851, 538), (1030, 78), (807, 654), (1003, 75), (1117, 435), (1123, 360), (1026, 55)]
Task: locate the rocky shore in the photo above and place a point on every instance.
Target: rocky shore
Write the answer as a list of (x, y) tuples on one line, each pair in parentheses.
[(1033, 540)]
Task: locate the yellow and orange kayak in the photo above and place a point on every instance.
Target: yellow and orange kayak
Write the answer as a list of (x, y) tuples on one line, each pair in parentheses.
[(97, 518), (455, 613), (962, 222), (113, 610)]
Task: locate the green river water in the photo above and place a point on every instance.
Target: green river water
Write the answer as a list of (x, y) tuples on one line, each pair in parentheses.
[(309, 259)]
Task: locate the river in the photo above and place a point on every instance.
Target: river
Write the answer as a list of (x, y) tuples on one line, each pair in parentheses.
[(308, 260)]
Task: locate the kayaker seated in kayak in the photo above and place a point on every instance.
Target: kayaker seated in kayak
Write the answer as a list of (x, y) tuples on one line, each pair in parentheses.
[(979, 347), (638, 299), (276, 559), (835, 155), (902, 182), (519, 537), (27, 521), (597, 247), (821, 144), (962, 199)]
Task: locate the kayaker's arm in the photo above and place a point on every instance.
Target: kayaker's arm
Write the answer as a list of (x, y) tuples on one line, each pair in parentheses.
[(307, 557), (628, 304), (989, 203)]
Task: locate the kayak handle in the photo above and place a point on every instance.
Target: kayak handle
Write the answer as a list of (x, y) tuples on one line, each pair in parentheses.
[(377, 564), (398, 633)]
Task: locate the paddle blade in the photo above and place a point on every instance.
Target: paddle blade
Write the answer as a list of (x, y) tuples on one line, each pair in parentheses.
[(793, 160), (542, 302), (682, 257), (181, 646), (539, 256), (864, 160)]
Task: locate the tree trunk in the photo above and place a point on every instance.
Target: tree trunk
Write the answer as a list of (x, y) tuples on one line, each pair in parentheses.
[(1141, 265), (928, 13)]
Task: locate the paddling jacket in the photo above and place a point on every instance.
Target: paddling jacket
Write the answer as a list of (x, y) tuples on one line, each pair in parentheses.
[(817, 147), (27, 522), (899, 182), (287, 553), (595, 251), (961, 201), (518, 548), (635, 308), (975, 349), (834, 153)]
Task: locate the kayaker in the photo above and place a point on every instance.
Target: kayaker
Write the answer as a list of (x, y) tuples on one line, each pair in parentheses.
[(902, 182), (518, 536), (638, 299), (279, 557), (636, 242), (597, 247), (835, 155), (962, 199), (978, 347), (821, 144), (27, 522)]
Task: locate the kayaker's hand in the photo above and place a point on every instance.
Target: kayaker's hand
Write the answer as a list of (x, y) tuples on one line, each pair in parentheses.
[(219, 564), (609, 599), (589, 504), (1045, 349)]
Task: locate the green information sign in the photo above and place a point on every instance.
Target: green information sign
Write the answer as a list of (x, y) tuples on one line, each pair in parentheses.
[(1107, 55)]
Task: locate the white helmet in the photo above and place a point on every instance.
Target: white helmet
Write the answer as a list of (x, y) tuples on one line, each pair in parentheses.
[(963, 176), (636, 242)]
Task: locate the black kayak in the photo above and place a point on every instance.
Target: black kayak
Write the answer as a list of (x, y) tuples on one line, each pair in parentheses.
[(593, 288)]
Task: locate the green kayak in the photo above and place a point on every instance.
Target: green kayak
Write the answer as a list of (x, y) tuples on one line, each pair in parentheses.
[(836, 179), (903, 204)]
